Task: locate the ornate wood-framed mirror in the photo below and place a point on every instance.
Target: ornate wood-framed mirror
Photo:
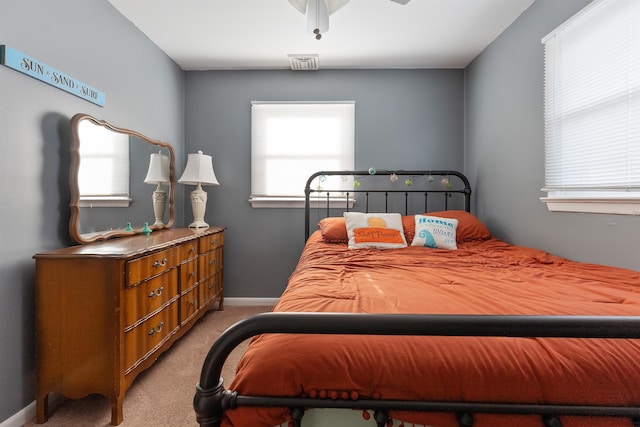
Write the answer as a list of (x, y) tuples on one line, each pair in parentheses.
[(113, 184)]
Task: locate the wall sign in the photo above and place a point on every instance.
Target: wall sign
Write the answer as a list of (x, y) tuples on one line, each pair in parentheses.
[(36, 69)]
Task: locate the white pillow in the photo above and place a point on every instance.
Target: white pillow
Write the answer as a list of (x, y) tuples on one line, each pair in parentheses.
[(374, 230), (435, 232)]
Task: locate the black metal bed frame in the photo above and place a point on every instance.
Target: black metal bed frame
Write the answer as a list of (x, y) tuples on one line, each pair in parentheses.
[(211, 399), (462, 187)]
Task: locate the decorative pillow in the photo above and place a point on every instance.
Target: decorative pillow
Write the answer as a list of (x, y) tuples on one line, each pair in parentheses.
[(374, 230), (435, 232), (334, 230), (469, 227)]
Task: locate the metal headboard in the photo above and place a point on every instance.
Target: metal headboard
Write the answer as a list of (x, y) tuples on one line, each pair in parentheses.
[(419, 183)]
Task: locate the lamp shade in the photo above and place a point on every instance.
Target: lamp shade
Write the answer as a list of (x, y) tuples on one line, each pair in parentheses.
[(199, 170), (158, 172)]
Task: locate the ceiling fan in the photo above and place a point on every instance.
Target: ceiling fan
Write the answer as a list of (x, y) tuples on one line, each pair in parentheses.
[(318, 12)]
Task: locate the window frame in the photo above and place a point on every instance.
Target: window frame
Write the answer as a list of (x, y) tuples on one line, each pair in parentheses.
[(590, 199), (347, 160)]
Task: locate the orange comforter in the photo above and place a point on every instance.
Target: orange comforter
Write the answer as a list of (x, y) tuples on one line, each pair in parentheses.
[(481, 277)]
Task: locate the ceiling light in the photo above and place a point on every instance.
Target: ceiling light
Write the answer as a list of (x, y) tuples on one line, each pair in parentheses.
[(318, 12)]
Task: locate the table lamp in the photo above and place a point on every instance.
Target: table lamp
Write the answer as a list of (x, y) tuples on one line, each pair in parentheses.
[(158, 173), (199, 172)]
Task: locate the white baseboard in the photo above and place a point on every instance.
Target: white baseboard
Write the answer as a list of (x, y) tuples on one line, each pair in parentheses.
[(248, 301), (22, 417)]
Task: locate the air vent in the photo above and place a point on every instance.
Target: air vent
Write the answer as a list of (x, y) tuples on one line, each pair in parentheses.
[(304, 62)]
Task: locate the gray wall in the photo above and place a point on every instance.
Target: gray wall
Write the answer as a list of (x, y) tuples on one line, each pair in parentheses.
[(488, 116), (405, 119), (92, 42), (504, 149)]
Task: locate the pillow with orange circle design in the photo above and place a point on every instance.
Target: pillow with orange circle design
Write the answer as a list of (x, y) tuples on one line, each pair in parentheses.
[(374, 230)]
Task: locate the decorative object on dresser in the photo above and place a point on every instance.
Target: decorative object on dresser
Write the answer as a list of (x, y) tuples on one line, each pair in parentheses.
[(199, 172), (158, 174), (106, 311)]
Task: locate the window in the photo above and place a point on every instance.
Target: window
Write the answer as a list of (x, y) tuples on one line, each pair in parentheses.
[(290, 141), (103, 174), (592, 110)]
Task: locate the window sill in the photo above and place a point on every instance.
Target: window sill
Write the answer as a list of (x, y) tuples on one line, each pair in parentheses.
[(104, 202), (298, 202), (604, 206)]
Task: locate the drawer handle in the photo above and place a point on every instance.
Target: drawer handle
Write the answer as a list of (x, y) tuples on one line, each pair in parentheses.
[(212, 262), (214, 241), (156, 293), (211, 286), (156, 329), (192, 303), (192, 249), (192, 274), (160, 263)]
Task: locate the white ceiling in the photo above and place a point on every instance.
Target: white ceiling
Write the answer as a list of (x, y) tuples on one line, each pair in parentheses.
[(260, 34)]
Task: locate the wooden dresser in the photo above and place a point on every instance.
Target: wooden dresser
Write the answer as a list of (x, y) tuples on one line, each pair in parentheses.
[(105, 311)]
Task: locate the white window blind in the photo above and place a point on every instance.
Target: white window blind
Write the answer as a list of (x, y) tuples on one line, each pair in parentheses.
[(103, 174), (592, 109), (290, 141)]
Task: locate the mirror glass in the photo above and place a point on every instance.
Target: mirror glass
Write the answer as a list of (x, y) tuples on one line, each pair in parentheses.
[(117, 178)]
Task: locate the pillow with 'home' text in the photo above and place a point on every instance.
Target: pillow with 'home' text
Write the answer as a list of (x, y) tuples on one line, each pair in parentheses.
[(469, 227), (435, 232), (374, 230)]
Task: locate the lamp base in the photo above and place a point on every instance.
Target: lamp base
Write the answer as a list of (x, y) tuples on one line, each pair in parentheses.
[(198, 224), (159, 205), (199, 206)]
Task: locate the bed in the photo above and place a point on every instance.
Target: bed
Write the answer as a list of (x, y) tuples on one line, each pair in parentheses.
[(452, 328)]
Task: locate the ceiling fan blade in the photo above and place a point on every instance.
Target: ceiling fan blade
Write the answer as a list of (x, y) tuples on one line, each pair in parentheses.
[(334, 5), (397, 1), (317, 17), (300, 5)]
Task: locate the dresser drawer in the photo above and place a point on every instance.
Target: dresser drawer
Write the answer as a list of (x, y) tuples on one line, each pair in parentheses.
[(188, 275), (149, 296), (151, 265), (211, 242), (210, 288), (188, 305), (188, 250), (209, 263), (145, 338)]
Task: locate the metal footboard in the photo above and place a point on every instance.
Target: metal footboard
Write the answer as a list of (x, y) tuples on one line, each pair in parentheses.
[(211, 399)]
